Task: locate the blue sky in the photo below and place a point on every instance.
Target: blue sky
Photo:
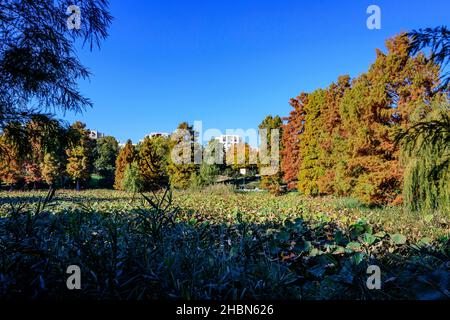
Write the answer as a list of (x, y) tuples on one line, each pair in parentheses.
[(230, 63)]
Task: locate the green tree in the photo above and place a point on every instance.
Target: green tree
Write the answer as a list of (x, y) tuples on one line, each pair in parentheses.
[(132, 180), (426, 155), (425, 144), (206, 176), (106, 152)]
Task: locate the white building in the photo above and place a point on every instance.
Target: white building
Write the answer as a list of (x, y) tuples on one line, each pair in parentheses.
[(157, 134), (96, 134), (229, 139)]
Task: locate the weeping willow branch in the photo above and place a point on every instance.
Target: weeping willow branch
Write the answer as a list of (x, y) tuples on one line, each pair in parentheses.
[(426, 155)]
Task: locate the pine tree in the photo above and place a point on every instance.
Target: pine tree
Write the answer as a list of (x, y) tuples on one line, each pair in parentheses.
[(132, 180)]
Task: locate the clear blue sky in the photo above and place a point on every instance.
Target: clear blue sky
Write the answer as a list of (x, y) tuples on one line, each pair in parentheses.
[(230, 63)]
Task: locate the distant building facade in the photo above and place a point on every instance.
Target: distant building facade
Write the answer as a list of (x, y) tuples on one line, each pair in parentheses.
[(228, 140), (93, 134), (158, 134)]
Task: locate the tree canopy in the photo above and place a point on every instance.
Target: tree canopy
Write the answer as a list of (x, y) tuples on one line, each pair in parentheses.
[(39, 67)]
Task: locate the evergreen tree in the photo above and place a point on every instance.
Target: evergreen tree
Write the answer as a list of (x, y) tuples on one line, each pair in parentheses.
[(106, 152), (132, 180)]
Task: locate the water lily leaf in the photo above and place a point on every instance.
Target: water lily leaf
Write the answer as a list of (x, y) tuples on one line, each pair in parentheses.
[(305, 246), (354, 246), (369, 239), (315, 252), (339, 250), (380, 234), (357, 258), (424, 241), (398, 238)]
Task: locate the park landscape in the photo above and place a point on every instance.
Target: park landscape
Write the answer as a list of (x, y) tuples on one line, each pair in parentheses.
[(361, 179)]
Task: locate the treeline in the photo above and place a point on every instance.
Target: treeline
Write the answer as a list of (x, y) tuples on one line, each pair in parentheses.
[(180, 162), (42, 152), (382, 137), (342, 140)]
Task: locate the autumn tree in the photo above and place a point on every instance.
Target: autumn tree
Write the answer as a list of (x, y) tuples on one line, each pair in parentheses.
[(79, 154), (344, 135), (323, 140), (395, 92), (10, 163), (272, 179), (153, 162), (126, 156), (185, 156), (78, 164), (292, 133), (51, 169)]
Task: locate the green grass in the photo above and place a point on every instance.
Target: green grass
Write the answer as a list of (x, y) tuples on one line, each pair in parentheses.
[(217, 245)]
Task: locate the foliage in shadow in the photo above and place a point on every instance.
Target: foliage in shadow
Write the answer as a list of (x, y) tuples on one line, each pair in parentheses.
[(161, 252)]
